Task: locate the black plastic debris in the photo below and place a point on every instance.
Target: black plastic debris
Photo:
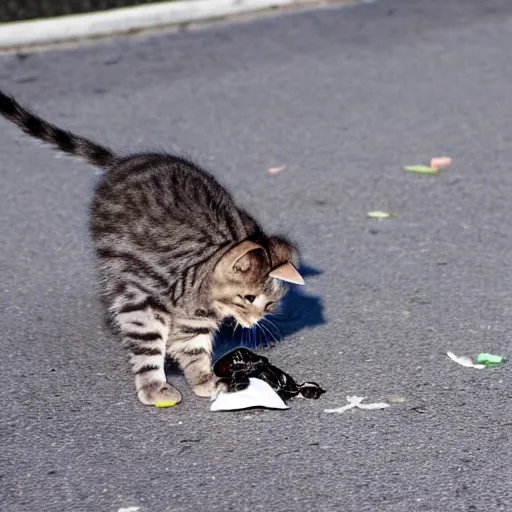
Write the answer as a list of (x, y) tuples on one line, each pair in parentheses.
[(237, 366)]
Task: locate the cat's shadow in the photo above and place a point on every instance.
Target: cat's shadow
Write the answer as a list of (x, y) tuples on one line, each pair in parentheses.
[(298, 311)]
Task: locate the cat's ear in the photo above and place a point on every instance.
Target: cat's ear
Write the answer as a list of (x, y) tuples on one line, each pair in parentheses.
[(287, 272), (247, 257), (247, 261), (282, 251), (284, 257)]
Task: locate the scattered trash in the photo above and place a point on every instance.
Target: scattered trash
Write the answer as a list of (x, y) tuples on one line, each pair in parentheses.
[(257, 394), (275, 170), (439, 162), (238, 366), (489, 359), (421, 169), (377, 214), (464, 361), (165, 403), (397, 399), (436, 164), (355, 401), (129, 509)]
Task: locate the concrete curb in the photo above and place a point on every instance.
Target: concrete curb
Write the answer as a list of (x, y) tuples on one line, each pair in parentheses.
[(103, 23)]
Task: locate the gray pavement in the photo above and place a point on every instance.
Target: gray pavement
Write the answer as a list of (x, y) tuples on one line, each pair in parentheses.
[(344, 97)]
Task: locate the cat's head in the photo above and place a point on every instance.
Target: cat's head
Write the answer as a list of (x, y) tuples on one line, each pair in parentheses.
[(250, 280)]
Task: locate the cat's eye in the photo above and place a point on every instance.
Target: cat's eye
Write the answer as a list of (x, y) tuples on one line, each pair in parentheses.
[(250, 298), (269, 305)]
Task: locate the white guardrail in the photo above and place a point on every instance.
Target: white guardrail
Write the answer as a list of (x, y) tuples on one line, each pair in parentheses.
[(128, 19)]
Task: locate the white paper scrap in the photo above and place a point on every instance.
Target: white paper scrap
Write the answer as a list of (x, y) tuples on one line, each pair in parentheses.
[(258, 394), (465, 361), (355, 401)]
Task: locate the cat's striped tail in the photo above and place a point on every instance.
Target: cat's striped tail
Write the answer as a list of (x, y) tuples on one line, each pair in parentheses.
[(30, 123)]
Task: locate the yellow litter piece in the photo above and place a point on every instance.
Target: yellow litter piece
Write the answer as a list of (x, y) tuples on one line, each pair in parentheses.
[(380, 215), (422, 169), (165, 403)]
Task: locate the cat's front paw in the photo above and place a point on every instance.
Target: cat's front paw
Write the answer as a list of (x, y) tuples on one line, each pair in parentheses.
[(160, 394), (210, 388)]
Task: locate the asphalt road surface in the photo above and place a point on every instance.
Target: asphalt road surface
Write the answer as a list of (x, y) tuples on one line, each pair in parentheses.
[(344, 98)]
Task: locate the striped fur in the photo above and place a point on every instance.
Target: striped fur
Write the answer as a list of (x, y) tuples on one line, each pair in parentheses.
[(95, 154), (175, 254)]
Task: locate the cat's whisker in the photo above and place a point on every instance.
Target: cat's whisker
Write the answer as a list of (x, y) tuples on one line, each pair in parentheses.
[(262, 325), (272, 335), (276, 332), (274, 326), (257, 335), (265, 335), (279, 316), (268, 341), (237, 325)]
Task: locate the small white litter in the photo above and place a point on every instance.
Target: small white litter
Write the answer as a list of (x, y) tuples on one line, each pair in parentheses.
[(258, 394), (355, 401), (129, 509), (465, 361)]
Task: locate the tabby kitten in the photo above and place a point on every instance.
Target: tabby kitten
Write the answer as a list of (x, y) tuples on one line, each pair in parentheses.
[(176, 256)]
